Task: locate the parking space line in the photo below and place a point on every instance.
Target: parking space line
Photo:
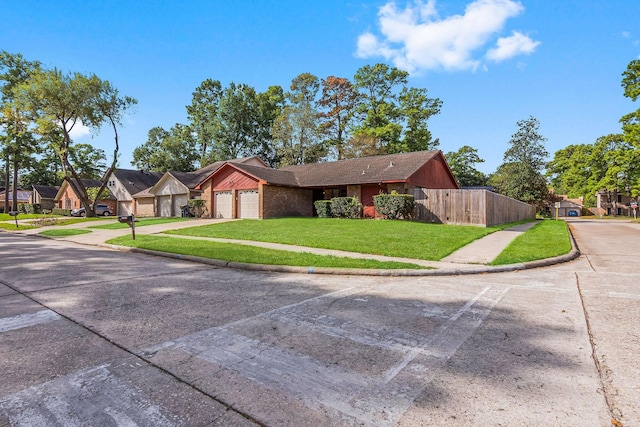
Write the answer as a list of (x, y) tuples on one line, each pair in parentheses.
[(28, 319)]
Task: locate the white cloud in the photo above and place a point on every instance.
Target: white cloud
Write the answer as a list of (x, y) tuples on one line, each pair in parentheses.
[(79, 130), (508, 47), (416, 38)]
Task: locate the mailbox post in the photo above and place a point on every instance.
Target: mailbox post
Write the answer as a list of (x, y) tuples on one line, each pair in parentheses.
[(14, 214), (131, 220)]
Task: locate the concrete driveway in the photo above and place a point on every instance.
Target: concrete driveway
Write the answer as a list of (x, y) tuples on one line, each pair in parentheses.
[(93, 336)]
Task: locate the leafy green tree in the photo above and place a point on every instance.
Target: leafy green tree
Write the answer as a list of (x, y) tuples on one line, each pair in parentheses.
[(201, 114), (89, 162), (173, 150), (234, 125), (43, 169), (17, 140), (270, 105), (520, 176), (462, 164), (296, 131), (68, 100), (570, 172), (417, 108)]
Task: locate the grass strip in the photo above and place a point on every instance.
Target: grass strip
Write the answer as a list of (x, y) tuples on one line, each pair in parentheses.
[(63, 232), (547, 239), (12, 226), (251, 254), (406, 239), (139, 223)]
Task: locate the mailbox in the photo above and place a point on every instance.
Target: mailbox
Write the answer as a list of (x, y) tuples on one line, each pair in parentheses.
[(131, 220), (127, 219), (13, 213)]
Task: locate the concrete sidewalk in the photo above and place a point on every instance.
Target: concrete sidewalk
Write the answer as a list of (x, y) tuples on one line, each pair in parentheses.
[(471, 259)]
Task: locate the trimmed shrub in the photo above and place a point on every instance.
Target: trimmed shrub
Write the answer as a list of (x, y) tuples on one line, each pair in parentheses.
[(198, 208), (58, 211), (394, 205), (323, 208), (30, 208), (346, 207)]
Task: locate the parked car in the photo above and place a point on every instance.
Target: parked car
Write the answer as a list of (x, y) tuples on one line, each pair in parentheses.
[(101, 210)]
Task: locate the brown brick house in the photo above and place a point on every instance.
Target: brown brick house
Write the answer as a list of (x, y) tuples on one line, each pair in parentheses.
[(66, 198), (237, 190)]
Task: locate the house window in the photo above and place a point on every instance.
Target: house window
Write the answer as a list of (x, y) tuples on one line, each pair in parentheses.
[(619, 198)]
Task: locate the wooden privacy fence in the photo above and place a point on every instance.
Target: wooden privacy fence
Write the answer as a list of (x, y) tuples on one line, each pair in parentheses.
[(473, 207)]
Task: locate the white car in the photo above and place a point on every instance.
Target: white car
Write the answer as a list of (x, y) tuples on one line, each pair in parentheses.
[(101, 210)]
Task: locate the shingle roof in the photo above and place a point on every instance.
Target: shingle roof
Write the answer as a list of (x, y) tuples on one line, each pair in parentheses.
[(271, 176), (135, 181), (364, 170), (23, 195), (46, 191)]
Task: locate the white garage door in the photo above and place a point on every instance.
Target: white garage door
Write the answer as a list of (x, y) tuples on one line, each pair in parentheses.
[(124, 208), (248, 201), (179, 200), (164, 205), (223, 204)]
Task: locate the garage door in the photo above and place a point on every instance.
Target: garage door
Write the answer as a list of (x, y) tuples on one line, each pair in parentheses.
[(248, 201), (179, 200), (164, 205), (223, 204), (124, 208)]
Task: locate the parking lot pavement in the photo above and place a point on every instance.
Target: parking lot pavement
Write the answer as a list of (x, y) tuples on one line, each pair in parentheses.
[(197, 345)]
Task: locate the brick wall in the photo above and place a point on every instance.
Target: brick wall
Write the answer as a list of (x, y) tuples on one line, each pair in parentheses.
[(285, 201)]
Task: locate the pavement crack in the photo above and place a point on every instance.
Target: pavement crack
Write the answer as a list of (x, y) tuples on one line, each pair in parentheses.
[(608, 388)]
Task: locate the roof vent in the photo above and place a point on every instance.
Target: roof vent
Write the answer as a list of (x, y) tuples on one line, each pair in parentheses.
[(363, 172), (391, 164)]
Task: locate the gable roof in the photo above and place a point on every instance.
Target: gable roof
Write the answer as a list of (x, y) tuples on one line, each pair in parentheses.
[(265, 174), (135, 181), (46, 191), (23, 195), (363, 170), (88, 183)]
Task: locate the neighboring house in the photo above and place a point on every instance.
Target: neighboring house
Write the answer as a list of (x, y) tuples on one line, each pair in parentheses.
[(124, 183), (240, 190), (611, 202), (174, 189), (44, 195), (566, 208), (23, 198), (66, 198)]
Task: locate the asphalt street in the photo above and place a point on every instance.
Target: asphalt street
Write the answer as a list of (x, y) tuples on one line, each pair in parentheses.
[(92, 336)]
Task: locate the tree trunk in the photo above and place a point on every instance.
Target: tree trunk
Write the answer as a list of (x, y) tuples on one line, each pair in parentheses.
[(7, 177), (15, 185)]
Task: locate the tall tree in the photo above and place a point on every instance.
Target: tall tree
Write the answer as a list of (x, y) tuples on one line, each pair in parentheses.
[(417, 108), (520, 176), (17, 141), (463, 166), (296, 130), (270, 105), (201, 114), (339, 100), (379, 110), (173, 150), (89, 162), (68, 100)]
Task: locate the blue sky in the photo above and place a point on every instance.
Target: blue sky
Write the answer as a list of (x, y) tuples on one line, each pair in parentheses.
[(491, 62)]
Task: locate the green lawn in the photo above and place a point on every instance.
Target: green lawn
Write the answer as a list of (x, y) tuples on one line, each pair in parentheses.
[(547, 239), (392, 238), (139, 223), (12, 226), (7, 217), (62, 232), (249, 254)]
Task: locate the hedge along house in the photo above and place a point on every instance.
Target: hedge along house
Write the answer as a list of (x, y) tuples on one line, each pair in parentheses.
[(245, 191), (174, 189), (366, 177)]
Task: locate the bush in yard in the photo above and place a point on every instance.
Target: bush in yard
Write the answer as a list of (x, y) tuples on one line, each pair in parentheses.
[(29, 208), (346, 207), (323, 208), (394, 205), (198, 208)]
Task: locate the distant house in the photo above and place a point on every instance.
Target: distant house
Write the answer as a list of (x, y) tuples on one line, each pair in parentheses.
[(567, 208), (125, 183), (612, 202), (66, 198), (44, 195), (23, 198)]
